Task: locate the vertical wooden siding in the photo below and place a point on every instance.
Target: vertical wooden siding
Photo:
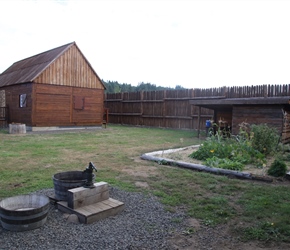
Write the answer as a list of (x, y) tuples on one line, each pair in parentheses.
[(171, 108), (70, 69), (245, 91), (168, 109)]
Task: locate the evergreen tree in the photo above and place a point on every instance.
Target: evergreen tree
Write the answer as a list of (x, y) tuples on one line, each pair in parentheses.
[(116, 87)]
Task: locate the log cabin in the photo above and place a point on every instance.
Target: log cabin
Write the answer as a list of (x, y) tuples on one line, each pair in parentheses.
[(56, 88), (268, 105)]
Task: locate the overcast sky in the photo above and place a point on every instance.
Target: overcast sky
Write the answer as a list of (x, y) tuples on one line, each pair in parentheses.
[(195, 44)]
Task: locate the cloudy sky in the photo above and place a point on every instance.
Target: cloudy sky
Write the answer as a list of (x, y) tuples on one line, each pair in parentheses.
[(192, 43)]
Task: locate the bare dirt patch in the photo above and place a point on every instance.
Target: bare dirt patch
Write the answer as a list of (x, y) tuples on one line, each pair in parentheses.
[(140, 171)]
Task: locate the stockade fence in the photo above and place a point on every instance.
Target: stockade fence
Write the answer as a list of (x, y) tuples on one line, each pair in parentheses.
[(171, 108), (165, 109)]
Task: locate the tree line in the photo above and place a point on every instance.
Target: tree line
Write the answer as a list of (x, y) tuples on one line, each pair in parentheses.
[(116, 87)]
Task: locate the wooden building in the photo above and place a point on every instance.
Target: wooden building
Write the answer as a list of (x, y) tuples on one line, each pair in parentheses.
[(228, 107), (58, 87), (229, 113)]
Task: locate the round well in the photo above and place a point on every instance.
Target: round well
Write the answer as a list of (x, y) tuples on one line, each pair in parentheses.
[(24, 212)]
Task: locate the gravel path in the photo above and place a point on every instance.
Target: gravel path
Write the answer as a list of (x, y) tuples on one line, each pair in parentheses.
[(144, 224)]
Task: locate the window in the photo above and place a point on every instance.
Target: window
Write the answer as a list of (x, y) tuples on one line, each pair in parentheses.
[(22, 100), (79, 102)]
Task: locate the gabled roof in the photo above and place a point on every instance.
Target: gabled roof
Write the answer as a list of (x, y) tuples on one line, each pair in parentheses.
[(27, 70)]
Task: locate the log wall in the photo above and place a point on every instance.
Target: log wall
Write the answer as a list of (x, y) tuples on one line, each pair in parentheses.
[(166, 109), (259, 114), (171, 108), (56, 106), (19, 114)]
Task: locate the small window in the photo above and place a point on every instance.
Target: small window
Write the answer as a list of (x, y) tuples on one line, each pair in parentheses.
[(22, 101)]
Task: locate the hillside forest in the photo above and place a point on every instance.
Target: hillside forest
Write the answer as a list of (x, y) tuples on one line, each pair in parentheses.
[(116, 87)]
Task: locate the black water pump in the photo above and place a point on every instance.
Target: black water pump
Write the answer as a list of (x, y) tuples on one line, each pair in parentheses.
[(89, 176)]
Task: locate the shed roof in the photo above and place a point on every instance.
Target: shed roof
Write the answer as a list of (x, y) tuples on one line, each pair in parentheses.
[(221, 102), (30, 68)]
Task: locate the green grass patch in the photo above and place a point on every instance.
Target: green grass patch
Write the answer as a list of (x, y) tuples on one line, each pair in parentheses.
[(255, 210), (268, 207), (29, 161)]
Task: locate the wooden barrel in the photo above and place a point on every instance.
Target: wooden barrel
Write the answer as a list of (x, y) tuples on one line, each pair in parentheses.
[(67, 180), (24, 212), (17, 128)]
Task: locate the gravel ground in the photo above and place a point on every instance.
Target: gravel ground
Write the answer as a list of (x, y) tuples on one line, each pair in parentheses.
[(143, 224)]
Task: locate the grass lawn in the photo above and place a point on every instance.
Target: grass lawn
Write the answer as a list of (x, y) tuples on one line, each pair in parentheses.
[(253, 210)]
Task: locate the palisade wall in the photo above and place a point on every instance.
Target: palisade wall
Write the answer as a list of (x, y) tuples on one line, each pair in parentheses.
[(166, 109), (171, 108)]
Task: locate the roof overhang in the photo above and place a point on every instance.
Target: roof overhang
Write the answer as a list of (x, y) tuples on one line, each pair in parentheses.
[(220, 102)]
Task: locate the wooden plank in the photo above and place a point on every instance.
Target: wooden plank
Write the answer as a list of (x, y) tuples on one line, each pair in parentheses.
[(71, 69), (90, 195), (113, 100), (94, 208), (88, 200), (112, 202), (83, 211), (100, 205), (198, 122), (104, 214)]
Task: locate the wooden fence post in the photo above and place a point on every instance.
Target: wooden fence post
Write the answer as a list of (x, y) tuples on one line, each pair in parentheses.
[(198, 121), (141, 108), (122, 97)]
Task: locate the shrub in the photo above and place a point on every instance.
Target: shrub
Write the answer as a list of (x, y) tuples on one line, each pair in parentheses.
[(278, 168), (231, 152), (265, 139), (212, 147)]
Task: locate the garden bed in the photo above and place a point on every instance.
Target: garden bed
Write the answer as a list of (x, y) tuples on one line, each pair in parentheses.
[(180, 157)]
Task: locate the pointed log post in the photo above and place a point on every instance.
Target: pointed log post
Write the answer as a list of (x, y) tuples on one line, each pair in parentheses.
[(198, 122)]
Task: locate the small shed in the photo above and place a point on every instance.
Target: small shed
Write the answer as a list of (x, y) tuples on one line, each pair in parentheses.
[(262, 105), (58, 87)]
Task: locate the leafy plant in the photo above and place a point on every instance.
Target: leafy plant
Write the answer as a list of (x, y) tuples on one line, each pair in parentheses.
[(230, 152), (214, 145), (224, 163), (265, 139), (286, 157), (278, 168)]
